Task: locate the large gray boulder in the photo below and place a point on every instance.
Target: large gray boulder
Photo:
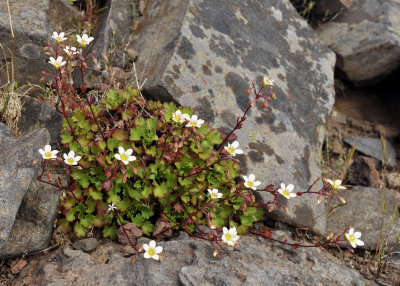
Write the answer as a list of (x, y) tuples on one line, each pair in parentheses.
[(189, 261), (206, 53), (17, 171), (363, 211), (34, 222), (366, 39), (37, 114), (33, 23)]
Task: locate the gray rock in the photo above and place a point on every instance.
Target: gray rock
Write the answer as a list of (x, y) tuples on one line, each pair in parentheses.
[(37, 114), (189, 261), (86, 244), (33, 23), (366, 40), (6, 135), (332, 7), (373, 147), (33, 225), (207, 54), (111, 33), (393, 180), (363, 211), (16, 174)]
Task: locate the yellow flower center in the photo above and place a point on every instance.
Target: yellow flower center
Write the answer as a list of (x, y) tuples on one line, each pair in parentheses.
[(151, 251), (71, 161), (249, 183), (48, 154), (286, 193), (177, 118), (214, 195), (193, 123), (124, 157), (351, 238), (230, 150), (228, 237)]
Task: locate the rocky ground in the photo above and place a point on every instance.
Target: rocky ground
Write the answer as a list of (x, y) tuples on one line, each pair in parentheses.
[(369, 112)]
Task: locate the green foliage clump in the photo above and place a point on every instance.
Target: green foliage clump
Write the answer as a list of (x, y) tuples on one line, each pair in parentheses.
[(174, 168)]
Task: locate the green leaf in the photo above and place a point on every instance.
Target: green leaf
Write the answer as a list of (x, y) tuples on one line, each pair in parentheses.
[(99, 221), (113, 197), (214, 137), (84, 181), (112, 143), (66, 138), (135, 194), (91, 205), (124, 204), (147, 228), (146, 211), (102, 145), (151, 123), (160, 190), (70, 216), (137, 133), (80, 230), (120, 135), (95, 195), (110, 232), (87, 221)]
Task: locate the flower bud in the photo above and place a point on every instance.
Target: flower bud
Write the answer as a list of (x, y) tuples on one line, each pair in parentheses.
[(215, 253), (319, 199), (273, 95), (341, 199), (48, 54), (253, 103), (84, 65), (42, 79), (330, 236), (46, 48), (210, 236), (265, 105), (271, 208), (248, 91)]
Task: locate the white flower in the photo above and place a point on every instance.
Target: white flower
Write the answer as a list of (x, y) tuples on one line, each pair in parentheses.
[(353, 238), (194, 122), (215, 194), (47, 153), (84, 40), (57, 63), (58, 37), (230, 236), (287, 192), (177, 116), (336, 185), (125, 156), (267, 81), (233, 149), (70, 51), (152, 251), (70, 159), (111, 207), (250, 183)]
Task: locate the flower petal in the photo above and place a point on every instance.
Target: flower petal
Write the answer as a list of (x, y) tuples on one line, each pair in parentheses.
[(128, 152), (256, 183), (156, 257), (152, 244), (146, 247), (41, 151), (132, 158), (77, 158), (283, 187), (252, 177), (117, 156), (146, 255), (121, 150), (158, 249), (290, 187), (357, 234), (65, 156), (225, 230), (359, 242)]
